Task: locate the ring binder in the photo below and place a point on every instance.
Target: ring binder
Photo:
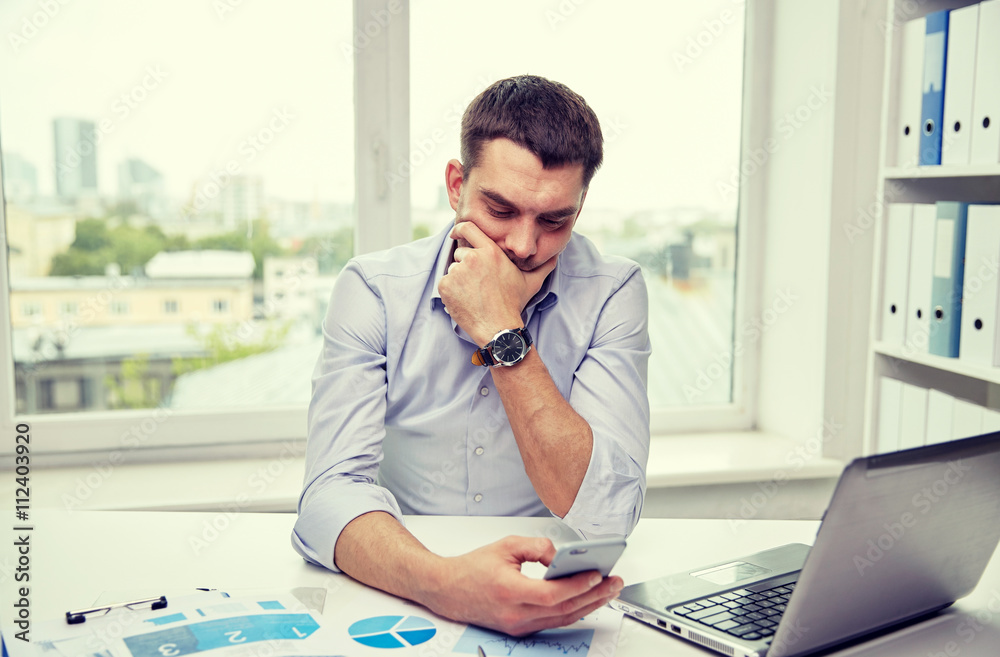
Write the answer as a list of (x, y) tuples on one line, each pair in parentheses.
[(80, 615)]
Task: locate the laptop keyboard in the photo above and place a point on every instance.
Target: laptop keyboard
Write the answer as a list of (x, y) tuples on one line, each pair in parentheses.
[(743, 613)]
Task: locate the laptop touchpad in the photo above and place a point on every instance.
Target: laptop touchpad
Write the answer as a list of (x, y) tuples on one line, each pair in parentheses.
[(730, 573)]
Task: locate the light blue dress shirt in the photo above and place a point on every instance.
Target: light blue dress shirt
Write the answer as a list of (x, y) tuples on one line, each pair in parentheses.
[(401, 421)]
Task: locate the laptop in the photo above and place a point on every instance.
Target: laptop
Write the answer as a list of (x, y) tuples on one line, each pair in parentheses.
[(904, 536)]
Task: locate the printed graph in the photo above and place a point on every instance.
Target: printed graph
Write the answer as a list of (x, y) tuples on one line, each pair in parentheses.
[(548, 643), (392, 631)]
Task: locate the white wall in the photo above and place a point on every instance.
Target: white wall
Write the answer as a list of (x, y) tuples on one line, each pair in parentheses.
[(812, 361)]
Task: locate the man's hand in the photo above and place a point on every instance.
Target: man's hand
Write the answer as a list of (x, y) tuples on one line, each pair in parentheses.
[(485, 587), (483, 290)]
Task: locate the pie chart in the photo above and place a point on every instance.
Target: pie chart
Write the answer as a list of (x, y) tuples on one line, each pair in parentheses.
[(392, 631)]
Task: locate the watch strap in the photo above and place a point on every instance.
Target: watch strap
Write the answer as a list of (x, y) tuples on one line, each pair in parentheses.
[(482, 357)]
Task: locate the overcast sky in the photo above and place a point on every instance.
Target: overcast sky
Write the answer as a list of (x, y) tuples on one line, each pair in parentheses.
[(664, 78)]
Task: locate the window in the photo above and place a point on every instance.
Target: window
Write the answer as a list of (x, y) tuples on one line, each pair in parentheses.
[(668, 91), (156, 159), (166, 189)]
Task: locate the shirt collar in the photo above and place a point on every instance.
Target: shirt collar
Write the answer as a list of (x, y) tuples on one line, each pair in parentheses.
[(545, 298)]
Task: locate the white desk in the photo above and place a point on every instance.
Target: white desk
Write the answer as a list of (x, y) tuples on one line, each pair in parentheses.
[(75, 557)]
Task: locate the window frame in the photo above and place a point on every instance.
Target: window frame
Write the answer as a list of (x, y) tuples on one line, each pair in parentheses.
[(381, 87)]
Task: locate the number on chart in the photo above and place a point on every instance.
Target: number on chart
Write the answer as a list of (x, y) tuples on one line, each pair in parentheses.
[(234, 637)]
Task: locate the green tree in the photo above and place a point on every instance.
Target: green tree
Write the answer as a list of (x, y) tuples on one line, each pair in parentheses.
[(75, 262), (98, 243), (260, 244), (331, 252), (91, 235), (133, 247), (224, 343), (133, 388)]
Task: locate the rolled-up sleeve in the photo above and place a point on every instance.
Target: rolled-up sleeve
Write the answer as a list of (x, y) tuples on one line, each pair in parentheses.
[(346, 421), (609, 392)]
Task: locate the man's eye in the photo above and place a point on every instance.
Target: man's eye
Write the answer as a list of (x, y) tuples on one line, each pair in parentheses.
[(551, 224), (499, 214)]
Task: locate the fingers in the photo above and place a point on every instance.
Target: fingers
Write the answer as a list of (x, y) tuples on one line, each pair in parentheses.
[(470, 232), (557, 591), (522, 549), (539, 617), (572, 617), (504, 599)]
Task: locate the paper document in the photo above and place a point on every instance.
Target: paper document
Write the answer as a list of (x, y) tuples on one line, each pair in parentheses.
[(349, 619)]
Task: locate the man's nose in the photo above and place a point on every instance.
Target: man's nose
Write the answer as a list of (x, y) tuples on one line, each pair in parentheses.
[(522, 240)]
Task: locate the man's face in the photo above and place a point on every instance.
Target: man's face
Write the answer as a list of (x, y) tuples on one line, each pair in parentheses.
[(529, 211)]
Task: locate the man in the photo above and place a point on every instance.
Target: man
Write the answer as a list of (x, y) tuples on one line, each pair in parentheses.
[(402, 422)]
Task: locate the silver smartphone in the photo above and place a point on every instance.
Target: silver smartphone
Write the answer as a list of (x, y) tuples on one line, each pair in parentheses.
[(579, 556)]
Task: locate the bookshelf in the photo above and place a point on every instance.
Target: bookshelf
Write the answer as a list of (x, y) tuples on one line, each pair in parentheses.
[(909, 183)]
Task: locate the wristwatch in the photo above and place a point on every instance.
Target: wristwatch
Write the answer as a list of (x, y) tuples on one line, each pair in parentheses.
[(508, 347)]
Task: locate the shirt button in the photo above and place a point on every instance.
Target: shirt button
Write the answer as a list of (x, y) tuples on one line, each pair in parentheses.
[(484, 391), (478, 497), (479, 451)]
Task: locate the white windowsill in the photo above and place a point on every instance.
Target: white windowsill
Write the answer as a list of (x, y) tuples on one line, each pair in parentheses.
[(734, 457), (274, 484)]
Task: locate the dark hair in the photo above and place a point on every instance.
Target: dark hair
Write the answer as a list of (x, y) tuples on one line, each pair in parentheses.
[(545, 117)]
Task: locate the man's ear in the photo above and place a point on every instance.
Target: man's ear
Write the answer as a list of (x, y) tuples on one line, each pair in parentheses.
[(453, 179)]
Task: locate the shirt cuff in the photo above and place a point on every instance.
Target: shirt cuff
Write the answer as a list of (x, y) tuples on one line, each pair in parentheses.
[(324, 513), (609, 501)]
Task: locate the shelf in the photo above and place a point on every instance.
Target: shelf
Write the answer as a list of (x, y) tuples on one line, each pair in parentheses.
[(972, 184), (957, 172), (953, 365)]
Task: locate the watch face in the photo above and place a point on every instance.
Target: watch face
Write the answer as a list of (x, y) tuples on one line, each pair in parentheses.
[(508, 348)]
